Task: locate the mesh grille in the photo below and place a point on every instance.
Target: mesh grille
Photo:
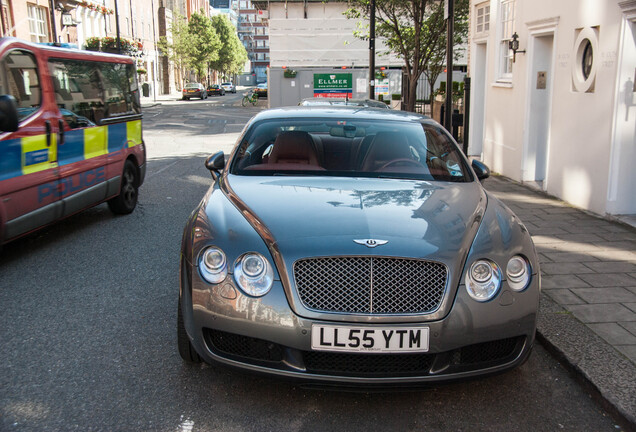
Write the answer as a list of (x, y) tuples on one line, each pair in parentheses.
[(370, 285), (487, 351), (243, 346), (368, 364)]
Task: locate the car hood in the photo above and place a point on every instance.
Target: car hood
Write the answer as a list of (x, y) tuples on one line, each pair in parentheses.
[(307, 216)]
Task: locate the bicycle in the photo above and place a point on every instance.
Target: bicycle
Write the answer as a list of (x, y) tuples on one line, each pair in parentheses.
[(247, 98)]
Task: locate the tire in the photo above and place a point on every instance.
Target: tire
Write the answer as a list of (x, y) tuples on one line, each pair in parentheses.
[(244, 101), (186, 350), (126, 201)]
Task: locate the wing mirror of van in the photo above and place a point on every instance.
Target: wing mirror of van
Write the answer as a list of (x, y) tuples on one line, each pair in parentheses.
[(8, 114)]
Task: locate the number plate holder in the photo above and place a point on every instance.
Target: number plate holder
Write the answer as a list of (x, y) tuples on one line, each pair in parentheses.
[(342, 338)]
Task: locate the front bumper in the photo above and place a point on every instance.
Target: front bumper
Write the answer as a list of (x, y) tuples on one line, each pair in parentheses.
[(264, 335)]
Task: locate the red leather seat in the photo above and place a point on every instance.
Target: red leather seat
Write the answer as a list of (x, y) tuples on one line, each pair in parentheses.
[(294, 147)]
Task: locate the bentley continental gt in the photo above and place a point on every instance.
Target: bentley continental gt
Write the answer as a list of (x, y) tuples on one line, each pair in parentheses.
[(354, 246)]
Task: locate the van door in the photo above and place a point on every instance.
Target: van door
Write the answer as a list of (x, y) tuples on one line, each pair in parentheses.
[(83, 153), (28, 157)]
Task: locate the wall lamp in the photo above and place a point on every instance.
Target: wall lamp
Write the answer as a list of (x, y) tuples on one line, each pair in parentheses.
[(514, 46)]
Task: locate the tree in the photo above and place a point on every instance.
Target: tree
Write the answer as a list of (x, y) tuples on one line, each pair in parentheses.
[(206, 44), (181, 44), (437, 62), (232, 54), (412, 29)]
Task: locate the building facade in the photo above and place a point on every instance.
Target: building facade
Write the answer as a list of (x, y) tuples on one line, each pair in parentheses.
[(74, 22), (253, 31), (559, 110), (313, 37)]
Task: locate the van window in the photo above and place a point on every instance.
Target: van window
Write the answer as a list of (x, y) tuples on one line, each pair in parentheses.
[(94, 91), (19, 78)]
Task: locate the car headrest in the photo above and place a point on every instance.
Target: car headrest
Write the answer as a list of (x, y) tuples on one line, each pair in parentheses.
[(294, 147)]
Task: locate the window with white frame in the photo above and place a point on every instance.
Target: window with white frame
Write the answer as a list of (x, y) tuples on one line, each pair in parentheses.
[(507, 19), (482, 20), (38, 26)]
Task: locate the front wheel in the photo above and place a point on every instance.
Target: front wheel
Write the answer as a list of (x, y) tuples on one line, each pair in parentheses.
[(245, 101), (126, 201)]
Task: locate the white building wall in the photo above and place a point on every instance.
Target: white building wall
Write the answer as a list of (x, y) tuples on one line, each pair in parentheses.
[(581, 125), (324, 38)]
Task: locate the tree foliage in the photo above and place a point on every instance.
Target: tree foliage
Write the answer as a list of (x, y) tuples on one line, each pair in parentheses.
[(206, 44), (232, 54), (202, 43), (414, 30), (179, 46)]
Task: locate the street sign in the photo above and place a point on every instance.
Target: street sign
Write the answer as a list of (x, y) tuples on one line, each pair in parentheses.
[(338, 85)]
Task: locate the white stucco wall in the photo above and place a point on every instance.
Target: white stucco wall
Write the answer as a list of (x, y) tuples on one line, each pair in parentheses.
[(324, 38), (580, 124)]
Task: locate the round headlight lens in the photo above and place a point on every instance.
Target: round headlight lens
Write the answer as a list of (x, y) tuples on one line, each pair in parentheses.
[(254, 274), (518, 272), (253, 266), (213, 265), (481, 271), (483, 280)]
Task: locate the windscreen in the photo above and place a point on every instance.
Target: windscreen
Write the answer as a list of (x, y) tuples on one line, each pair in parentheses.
[(349, 147)]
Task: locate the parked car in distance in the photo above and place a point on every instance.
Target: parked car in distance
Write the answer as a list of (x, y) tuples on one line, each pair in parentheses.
[(195, 90), (349, 245), (322, 101), (215, 89), (261, 90), (228, 87)]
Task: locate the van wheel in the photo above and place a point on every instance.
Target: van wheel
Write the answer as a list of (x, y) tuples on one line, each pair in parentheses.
[(126, 201), (186, 350)]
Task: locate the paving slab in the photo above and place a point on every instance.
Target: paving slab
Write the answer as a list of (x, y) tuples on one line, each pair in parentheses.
[(605, 295), (598, 313), (613, 333)]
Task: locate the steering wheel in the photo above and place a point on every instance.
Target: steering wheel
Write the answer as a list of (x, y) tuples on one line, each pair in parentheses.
[(404, 161)]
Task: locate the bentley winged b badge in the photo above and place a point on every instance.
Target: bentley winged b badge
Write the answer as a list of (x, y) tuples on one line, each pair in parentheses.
[(371, 242)]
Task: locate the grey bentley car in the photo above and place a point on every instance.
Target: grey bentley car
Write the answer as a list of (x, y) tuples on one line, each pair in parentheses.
[(354, 245)]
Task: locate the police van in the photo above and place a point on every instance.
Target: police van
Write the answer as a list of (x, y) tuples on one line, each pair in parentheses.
[(70, 134)]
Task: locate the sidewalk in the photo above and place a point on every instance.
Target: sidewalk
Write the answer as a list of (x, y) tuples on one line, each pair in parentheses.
[(587, 316)]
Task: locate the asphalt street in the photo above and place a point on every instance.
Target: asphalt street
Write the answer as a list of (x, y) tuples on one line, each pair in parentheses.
[(88, 328)]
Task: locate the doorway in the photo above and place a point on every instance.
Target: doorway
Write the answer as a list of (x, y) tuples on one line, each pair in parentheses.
[(538, 127), (622, 176), (477, 114)]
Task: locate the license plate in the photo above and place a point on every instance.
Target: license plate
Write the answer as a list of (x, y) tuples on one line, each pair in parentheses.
[(369, 339)]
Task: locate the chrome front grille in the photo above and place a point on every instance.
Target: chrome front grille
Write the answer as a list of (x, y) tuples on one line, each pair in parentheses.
[(370, 285)]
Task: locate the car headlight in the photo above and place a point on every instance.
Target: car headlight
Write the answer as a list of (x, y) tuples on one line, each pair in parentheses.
[(254, 274), (518, 272), (213, 265), (483, 280)]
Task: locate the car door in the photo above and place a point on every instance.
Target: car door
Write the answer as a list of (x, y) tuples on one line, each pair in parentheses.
[(28, 157)]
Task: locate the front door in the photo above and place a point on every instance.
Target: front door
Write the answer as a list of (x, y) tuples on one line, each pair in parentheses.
[(28, 157)]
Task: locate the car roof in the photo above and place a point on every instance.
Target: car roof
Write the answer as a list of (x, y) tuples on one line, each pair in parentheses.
[(342, 101), (331, 111)]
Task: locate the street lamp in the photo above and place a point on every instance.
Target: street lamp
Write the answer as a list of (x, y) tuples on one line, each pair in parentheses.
[(513, 45)]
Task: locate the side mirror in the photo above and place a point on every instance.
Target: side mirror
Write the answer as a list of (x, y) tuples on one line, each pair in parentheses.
[(215, 163), (482, 171), (8, 114)]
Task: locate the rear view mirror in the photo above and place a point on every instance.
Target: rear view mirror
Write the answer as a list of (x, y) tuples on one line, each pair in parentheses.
[(8, 114), (482, 171), (215, 163)]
